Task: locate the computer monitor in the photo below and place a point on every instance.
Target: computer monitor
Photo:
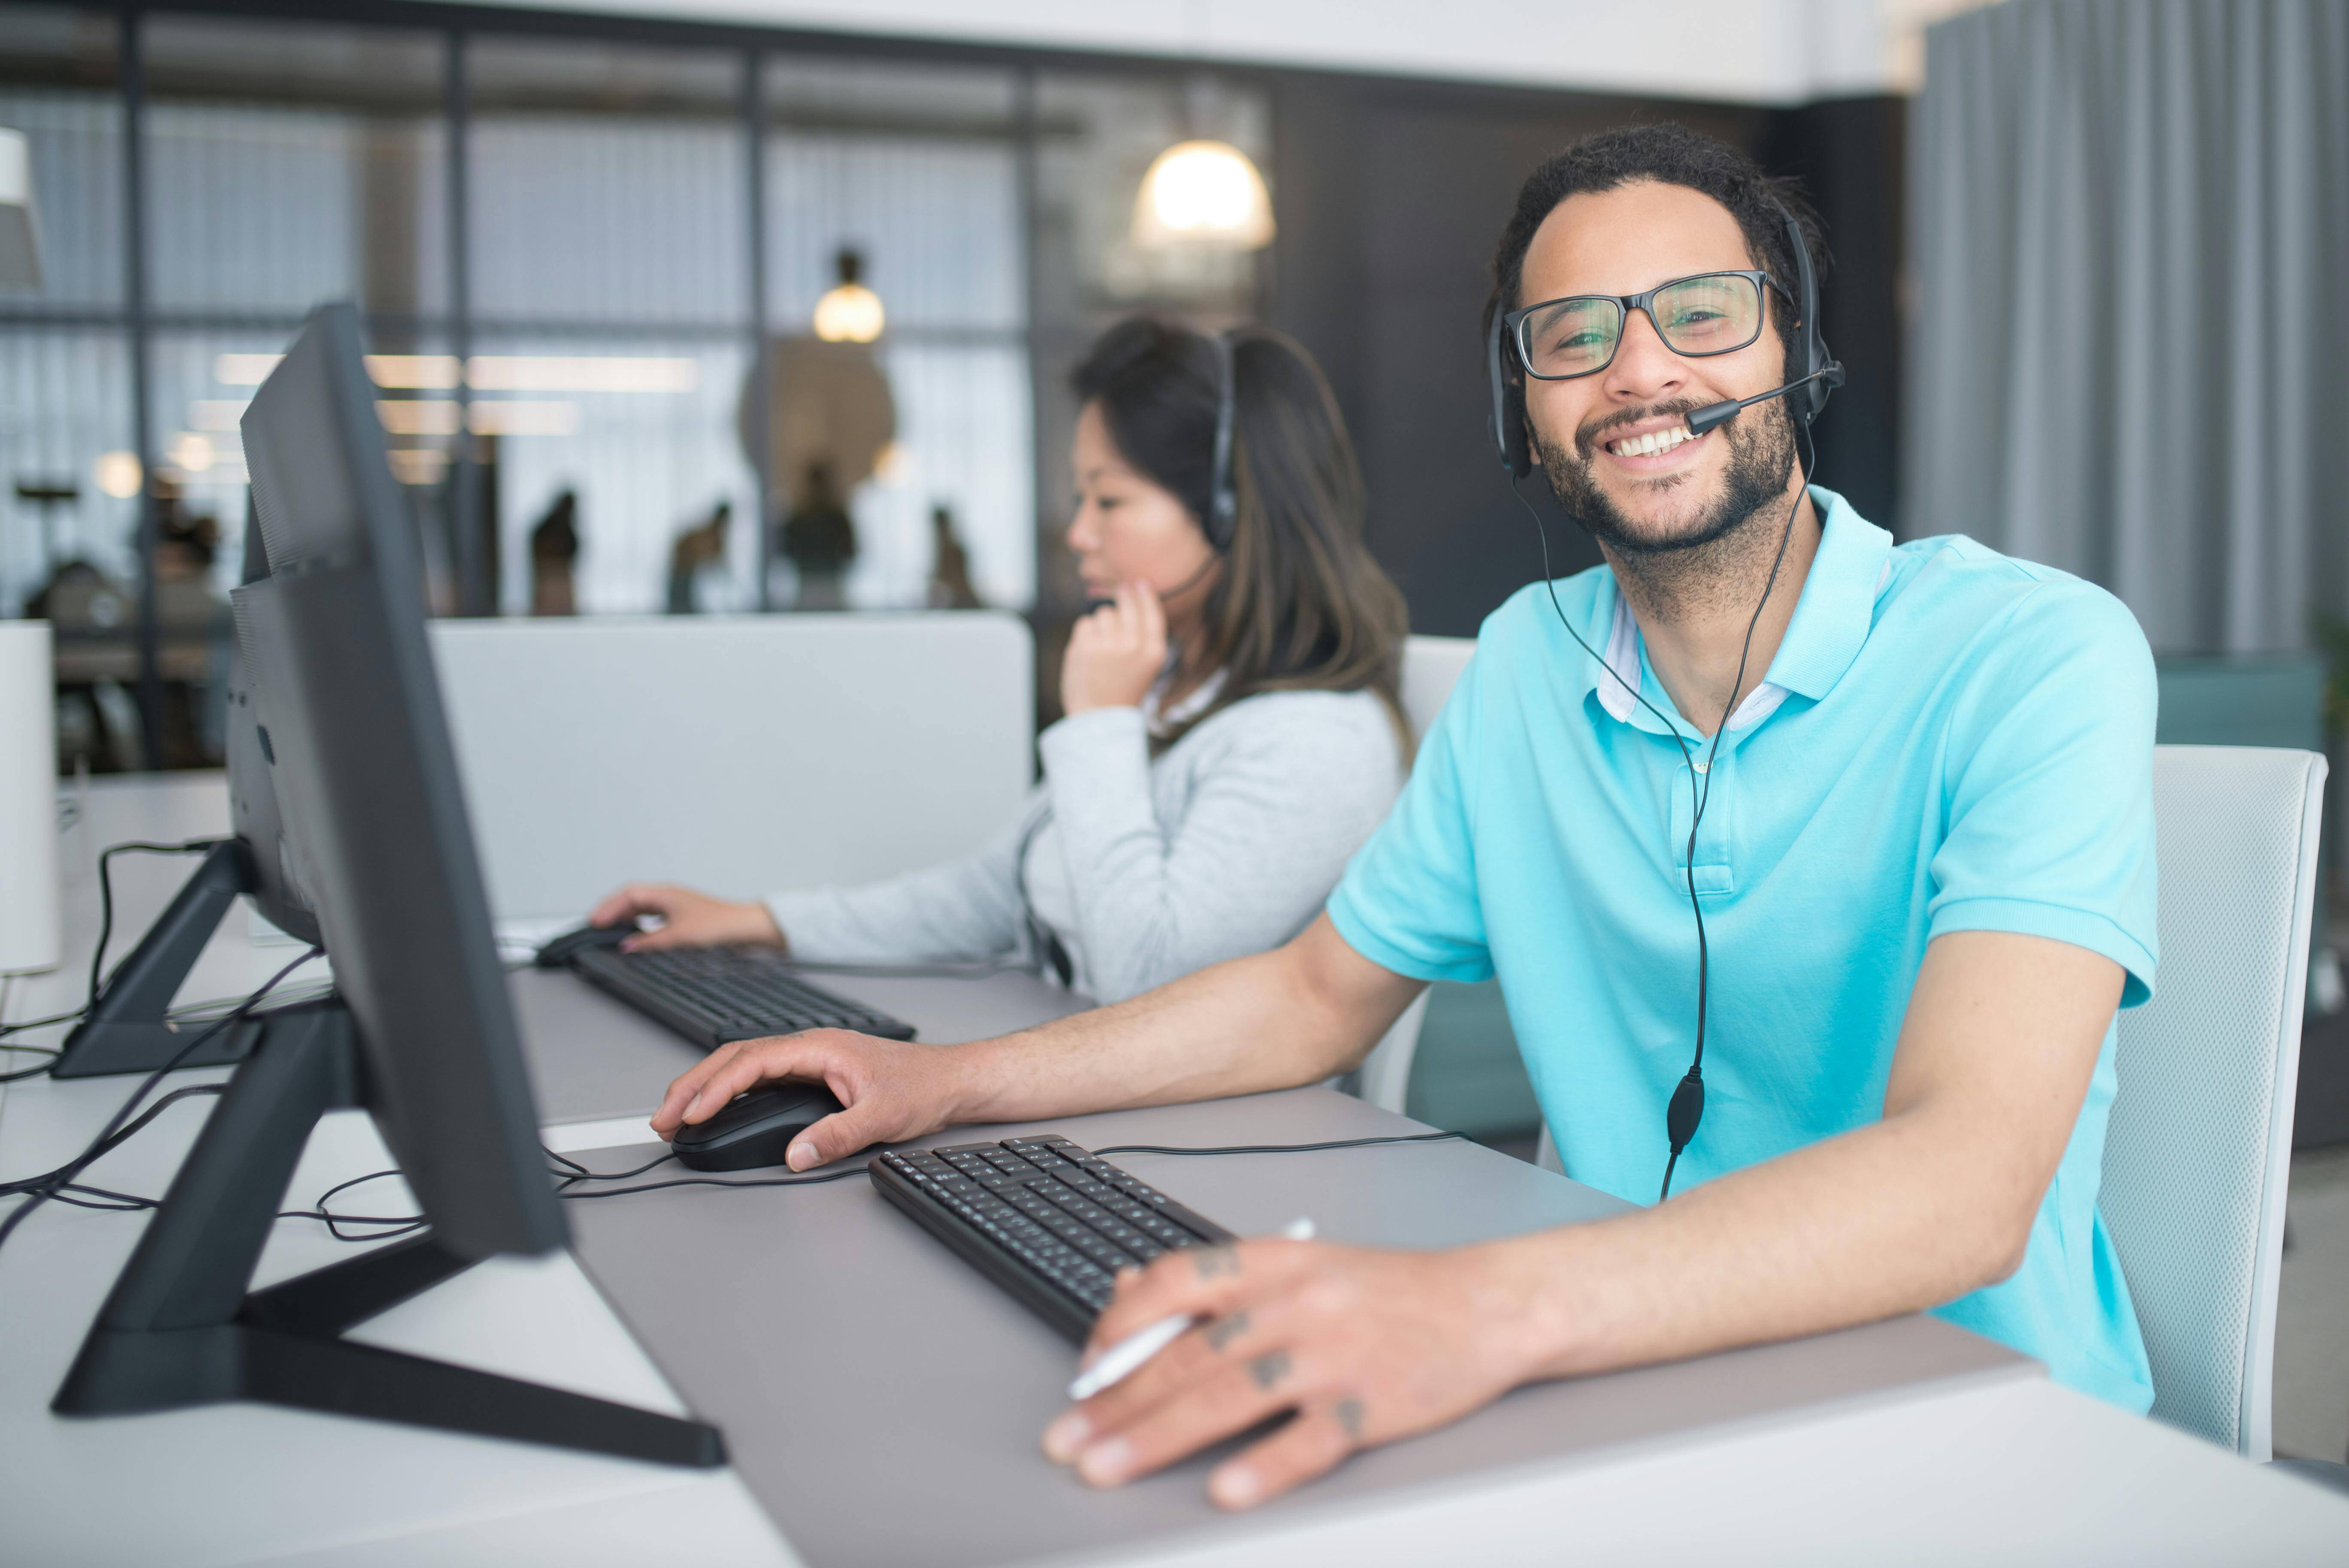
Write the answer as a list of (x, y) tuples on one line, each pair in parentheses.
[(421, 1033), (269, 878), (371, 809)]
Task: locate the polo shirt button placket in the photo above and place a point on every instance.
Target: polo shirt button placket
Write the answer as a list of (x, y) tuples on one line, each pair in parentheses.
[(1714, 872)]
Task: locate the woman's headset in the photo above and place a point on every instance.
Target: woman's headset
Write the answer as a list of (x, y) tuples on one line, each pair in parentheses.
[(1222, 498)]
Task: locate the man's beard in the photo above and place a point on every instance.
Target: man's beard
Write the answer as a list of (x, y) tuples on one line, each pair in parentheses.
[(1728, 542)]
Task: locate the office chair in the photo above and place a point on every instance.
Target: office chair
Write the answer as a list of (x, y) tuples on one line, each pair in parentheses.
[(1431, 667), (2199, 1154)]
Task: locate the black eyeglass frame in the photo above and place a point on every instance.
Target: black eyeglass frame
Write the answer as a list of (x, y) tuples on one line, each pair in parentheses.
[(1514, 322)]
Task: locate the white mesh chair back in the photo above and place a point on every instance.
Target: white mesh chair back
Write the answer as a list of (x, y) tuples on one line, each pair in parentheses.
[(2199, 1152), (1431, 667)]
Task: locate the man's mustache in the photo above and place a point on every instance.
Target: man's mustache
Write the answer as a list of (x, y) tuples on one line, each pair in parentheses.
[(1589, 434)]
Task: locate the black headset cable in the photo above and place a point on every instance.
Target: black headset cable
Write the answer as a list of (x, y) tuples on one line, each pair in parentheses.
[(1686, 1108)]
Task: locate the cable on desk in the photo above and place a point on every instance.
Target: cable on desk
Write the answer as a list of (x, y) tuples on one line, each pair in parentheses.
[(578, 1172), (30, 1183), (34, 1071), (406, 1223), (106, 892), (64, 1174), (976, 969), (400, 1224), (1281, 1148), (714, 1181), (98, 959), (40, 1024), (120, 1202)]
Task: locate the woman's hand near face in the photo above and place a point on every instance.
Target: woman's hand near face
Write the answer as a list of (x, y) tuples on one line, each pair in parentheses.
[(689, 919), (1116, 653)]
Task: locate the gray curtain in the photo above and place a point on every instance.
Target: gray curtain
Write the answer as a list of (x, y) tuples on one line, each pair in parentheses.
[(2130, 231)]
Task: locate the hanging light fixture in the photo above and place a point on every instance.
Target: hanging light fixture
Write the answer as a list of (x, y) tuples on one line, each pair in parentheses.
[(1206, 195), (849, 312)]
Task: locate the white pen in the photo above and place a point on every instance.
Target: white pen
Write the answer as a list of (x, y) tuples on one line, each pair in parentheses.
[(1127, 1357)]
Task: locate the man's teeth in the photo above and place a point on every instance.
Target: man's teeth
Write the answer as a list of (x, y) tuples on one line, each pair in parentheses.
[(1654, 441)]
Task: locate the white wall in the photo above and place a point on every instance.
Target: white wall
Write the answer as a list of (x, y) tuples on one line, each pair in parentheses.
[(1755, 51)]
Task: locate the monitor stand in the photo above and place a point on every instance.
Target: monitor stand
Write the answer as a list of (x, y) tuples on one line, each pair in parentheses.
[(180, 1329), (128, 1029)]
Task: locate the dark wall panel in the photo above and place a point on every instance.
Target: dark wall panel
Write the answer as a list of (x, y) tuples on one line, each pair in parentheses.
[(1391, 197)]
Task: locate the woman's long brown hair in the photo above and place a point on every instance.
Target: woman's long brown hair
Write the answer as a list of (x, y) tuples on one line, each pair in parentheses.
[(1299, 605)]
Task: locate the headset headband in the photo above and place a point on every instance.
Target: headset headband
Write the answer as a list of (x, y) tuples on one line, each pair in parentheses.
[(1222, 503)]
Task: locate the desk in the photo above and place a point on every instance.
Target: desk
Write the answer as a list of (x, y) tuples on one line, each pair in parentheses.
[(1907, 1439)]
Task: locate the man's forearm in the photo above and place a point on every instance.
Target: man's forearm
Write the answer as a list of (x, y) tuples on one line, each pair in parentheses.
[(1884, 1220), (1270, 1021), (1933, 1202)]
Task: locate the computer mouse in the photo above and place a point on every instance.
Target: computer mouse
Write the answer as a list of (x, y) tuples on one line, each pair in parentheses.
[(557, 952), (755, 1129)]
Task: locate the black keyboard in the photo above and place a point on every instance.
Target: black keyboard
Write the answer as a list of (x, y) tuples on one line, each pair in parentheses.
[(713, 994), (1040, 1217)]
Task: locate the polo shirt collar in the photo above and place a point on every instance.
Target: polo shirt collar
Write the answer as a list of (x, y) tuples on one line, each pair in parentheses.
[(1831, 621)]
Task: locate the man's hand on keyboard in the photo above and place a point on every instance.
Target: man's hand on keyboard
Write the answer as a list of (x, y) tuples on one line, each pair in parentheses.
[(892, 1090), (1364, 1346)]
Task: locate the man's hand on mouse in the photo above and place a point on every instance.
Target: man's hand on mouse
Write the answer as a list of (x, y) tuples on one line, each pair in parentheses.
[(1362, 1346), (689, 919), (892, 1090)]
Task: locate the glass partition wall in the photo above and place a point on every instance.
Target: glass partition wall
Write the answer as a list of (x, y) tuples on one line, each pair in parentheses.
[(667, 319)]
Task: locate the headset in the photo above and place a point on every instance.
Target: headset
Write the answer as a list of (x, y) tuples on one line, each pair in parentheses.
[(1223, 497), (1815, 373)]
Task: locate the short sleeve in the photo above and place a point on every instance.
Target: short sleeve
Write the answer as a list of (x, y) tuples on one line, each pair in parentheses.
[(1408, 901), (2049, 786)]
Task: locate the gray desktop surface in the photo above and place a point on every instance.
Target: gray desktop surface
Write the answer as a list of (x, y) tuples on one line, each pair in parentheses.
[(883, 1401), (593, 1057)]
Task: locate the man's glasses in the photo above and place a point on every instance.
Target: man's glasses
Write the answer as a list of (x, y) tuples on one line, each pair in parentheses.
[(1712, 313)]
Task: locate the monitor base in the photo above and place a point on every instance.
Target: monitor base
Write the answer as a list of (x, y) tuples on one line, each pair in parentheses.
[(180, 1328)]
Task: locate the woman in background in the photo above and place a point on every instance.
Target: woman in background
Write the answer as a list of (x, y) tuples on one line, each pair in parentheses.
[(1233, 730)]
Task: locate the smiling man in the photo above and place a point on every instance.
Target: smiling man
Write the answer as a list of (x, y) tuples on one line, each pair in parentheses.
[(1923, 857)]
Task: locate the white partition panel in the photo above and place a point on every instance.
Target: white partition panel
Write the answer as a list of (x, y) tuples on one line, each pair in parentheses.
[(735, 754)]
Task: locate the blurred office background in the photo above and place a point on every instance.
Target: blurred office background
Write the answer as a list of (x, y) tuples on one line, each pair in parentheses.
[(592, 250), (762, 306)]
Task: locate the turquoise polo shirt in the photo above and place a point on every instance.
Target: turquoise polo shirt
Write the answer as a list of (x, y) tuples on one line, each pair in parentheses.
[(1947, 740)]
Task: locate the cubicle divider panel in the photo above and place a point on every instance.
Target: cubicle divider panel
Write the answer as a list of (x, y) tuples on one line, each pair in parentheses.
[(736, 754)]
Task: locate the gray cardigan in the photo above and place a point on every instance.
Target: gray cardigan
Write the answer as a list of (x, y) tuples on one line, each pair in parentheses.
[(1227, 843)]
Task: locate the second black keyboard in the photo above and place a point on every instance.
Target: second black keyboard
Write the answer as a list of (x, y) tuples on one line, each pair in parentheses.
[(714, 994), (1046, 1220)]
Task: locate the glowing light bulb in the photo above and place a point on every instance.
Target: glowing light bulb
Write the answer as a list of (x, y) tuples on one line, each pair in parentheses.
[(849, 312), (118, 474), (1206, 194), (193, 452)]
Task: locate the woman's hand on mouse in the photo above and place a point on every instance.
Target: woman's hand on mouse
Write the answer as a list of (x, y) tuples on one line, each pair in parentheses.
[(892, 1090), (1116, 653), (689, 919)]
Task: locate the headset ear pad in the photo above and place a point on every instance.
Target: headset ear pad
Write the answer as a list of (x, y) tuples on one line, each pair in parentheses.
[(1508, 416), (1810, 350)]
